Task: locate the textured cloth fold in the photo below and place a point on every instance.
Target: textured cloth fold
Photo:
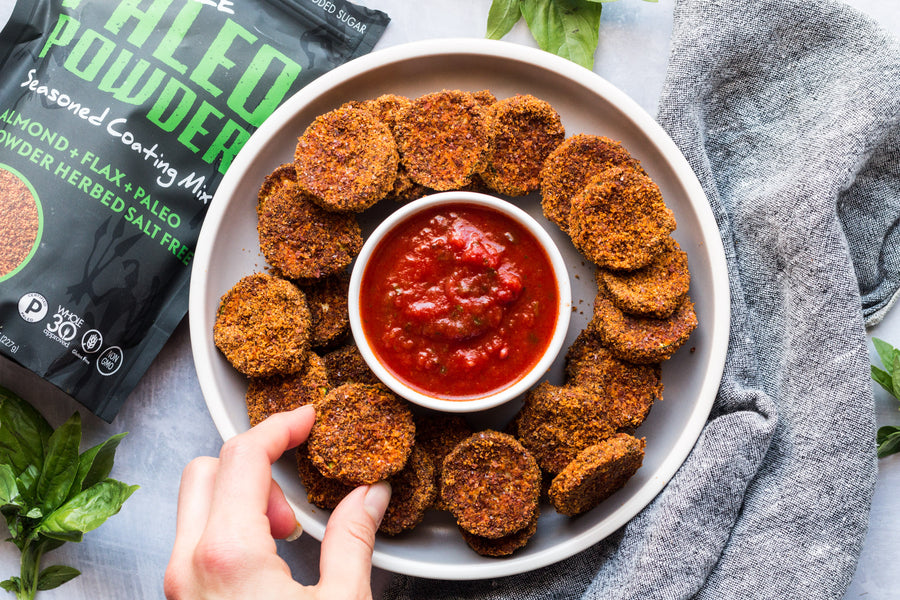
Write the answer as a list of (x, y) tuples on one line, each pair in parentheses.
[(788, 113)]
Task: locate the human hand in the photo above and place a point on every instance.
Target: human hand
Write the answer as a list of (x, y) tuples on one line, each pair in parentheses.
[(230, 511)]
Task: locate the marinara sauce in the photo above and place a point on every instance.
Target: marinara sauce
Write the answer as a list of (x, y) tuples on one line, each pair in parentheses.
[(459, 301)]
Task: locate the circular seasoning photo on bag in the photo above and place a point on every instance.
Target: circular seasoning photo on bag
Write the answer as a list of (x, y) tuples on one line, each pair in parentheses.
[(20, 221)]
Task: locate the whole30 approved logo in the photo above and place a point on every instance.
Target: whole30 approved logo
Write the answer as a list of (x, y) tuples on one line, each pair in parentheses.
[(63, 326)]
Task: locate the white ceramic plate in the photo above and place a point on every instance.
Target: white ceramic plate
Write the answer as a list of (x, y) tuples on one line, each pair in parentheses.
[(227, 250)]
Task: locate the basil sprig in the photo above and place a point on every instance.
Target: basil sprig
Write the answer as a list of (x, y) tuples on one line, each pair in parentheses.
[(888, 436), (567, 28), (49, 492)]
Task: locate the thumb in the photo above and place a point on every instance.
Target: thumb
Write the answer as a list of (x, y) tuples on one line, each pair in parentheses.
[(345, 567)]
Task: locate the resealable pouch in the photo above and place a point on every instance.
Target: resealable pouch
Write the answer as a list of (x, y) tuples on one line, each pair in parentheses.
[(118, 119)]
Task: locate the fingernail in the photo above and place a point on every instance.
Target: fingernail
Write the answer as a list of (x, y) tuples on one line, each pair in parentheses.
[(298, 531), (376, 500)]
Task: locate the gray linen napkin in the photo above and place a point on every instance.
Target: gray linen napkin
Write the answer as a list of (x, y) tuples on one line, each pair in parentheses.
[(789, 113)]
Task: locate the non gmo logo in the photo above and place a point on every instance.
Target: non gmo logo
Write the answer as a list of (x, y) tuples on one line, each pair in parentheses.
[(110, 361), (33, 307)]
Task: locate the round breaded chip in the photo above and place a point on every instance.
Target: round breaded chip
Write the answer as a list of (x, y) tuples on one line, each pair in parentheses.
[(362, 434), (556, 423), (655, 290), (625, 390), (442, 139), (571, 166), (438, 434), (637, 339), (346, 365), (388, 108), (298, 237), (619, 220), (328, 309), (505, 545), (346, 160), (491, 484), (279, 393), (321, 491), (412, 492), (275, 182), (262, 326), (522, 132), (596, 473)]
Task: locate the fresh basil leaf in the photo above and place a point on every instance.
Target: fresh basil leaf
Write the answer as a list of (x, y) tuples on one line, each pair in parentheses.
[(95, 464), (49, 544), (49, 493), (65, 536), (567, 28), (24, 432), (888, 440), (883, 378), (86, 511), (55, 576), (13, 584), (60, 464), (11, 513), (11, 510), (502, 16), (8, 488), (27, 482), (885, 353)]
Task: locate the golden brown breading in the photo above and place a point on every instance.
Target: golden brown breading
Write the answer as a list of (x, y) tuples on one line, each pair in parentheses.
[(491, 484), (572, 165), (655, 290), (346, 365), (321, 491), (388, 108), (484, 98), (637, 339), (596, 473), (412, 492), (626, 391), (327, 300), (362, 434), (298, 237), (442, 139), (505, 545), (522, 132), (283, 175), (279, 393), (619, 220), (438, 434), (346, 160), (405, 189), (555, 423), (262, 326)]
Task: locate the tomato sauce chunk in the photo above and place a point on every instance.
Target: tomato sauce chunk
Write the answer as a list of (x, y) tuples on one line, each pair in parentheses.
[(459, 301)]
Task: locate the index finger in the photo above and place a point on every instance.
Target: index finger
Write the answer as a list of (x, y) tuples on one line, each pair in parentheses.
[(245, 466)]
